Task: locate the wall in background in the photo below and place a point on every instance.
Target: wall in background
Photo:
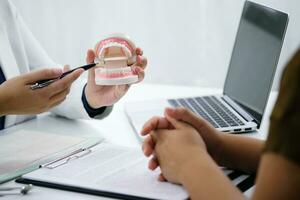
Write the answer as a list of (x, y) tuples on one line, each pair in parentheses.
[(186, 42)]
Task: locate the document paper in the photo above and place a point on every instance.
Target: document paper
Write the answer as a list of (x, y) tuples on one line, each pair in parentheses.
[(23, 148), (111, 168)]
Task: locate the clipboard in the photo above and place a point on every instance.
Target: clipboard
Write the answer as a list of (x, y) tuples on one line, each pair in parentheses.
[(80, 156), (35, 164), (76, 157), (76, 154)]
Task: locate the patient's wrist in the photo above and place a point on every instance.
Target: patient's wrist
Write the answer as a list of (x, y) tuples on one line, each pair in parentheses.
[(218, 148), (197, 171), (191, 166)]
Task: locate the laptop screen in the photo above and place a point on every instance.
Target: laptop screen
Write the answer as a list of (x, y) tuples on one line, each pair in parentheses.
[(255, 56)]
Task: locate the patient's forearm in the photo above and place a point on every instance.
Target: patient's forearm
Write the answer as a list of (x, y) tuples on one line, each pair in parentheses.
[(240, 152), (203, 179)]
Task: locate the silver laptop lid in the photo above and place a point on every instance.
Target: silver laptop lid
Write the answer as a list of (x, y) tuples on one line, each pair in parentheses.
[(255, 57)]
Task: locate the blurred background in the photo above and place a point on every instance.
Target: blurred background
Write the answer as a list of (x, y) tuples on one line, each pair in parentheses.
[(187, 42)]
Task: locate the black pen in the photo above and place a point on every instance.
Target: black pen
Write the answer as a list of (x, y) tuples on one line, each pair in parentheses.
[(46, 82)]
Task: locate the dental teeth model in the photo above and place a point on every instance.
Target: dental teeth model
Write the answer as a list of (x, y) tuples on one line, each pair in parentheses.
[(114, 55)]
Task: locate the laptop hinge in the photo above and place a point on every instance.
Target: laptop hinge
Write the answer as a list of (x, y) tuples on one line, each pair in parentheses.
[(238, 109)]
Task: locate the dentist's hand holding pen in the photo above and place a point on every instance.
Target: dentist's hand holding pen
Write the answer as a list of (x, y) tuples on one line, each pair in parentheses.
[(16, 97)]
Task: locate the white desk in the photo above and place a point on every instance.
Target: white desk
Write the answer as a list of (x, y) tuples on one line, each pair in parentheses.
[(115, 128)]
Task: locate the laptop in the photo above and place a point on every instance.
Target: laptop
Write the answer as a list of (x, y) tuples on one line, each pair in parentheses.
[(249, 78)]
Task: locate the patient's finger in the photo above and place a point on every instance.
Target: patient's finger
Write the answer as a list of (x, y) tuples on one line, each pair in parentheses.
[(153, 163), (148, 146), (153, 124), (162, 178), (177, 124), (185, 115)]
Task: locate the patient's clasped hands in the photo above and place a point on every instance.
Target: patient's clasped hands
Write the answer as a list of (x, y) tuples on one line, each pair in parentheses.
[(171, 138)]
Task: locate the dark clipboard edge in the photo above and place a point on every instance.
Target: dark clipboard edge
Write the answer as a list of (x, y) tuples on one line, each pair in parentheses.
[(80, 190), (242, 186)]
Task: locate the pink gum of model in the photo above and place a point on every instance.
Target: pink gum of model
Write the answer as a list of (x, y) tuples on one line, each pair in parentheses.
[(114, 55)]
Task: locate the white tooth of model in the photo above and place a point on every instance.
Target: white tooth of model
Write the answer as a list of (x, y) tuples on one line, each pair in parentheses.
[(115, 53)]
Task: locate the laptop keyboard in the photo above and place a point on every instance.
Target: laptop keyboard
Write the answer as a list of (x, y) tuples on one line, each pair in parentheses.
[(211, 109)]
